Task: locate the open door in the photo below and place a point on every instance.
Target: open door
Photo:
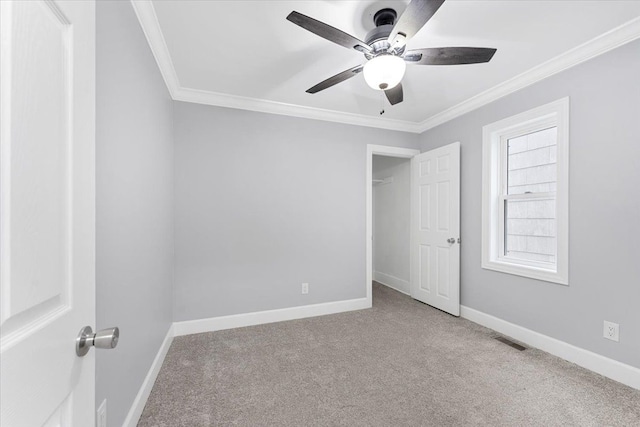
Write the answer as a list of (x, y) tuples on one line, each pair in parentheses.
[(435, 228), (47, 220)]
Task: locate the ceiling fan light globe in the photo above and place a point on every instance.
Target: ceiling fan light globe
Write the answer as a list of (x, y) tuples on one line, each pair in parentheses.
[(384, 72)]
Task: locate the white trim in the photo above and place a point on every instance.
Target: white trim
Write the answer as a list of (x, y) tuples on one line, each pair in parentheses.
[(610, 40), (392, 282), (269, 316), (379, 150), (280, 108), (151, 27), (617, 371), (147, 385), (492, 160)]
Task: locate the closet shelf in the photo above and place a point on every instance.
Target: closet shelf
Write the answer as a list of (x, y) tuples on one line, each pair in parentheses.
[(387, 180)]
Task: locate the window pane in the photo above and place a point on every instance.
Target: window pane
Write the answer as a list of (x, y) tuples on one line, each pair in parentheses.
[(531, 162), (530, 229)]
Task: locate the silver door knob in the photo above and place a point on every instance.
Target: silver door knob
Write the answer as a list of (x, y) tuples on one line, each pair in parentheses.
[(105, 338), (451, 240)]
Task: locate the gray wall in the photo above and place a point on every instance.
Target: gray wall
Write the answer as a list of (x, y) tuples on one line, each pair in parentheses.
[(134, 161), (265, 203), (604, 258), (391, 220)]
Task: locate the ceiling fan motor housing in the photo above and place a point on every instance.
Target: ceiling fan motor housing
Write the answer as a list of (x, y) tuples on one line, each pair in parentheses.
[(378, 37), (385, 17)]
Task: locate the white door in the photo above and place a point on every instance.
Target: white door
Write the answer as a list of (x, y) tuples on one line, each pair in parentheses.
[(435, 228), (47, 279)]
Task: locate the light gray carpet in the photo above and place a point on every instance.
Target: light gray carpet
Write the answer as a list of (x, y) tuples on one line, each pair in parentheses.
[(401, 363)]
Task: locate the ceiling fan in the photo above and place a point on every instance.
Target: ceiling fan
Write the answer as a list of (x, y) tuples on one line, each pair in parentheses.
[(384, 48)]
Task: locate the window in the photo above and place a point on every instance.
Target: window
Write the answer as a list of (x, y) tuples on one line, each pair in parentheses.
[(525, 194)]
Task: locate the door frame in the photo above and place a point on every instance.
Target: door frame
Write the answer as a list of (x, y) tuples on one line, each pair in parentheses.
[(378, 150)]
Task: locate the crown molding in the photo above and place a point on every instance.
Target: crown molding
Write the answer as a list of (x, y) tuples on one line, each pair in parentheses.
[(148, 19), (272, 107), (146, 14), (610, 40)]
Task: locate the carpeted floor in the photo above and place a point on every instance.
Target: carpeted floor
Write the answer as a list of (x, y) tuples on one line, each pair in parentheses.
[(401, 363)]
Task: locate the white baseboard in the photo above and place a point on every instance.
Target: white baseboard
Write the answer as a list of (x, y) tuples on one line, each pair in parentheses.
[(270, 316), (145, 390), (392, 282), (618, 371)]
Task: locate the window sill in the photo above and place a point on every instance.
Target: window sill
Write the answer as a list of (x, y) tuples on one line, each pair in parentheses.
[(526, 271)]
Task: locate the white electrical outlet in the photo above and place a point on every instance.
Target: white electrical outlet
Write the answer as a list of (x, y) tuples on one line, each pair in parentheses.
[(305, 288), (611, 331), (101, 416)]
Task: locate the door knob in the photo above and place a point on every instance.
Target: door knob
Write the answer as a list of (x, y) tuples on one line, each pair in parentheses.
[(105, 338), (451, 240)]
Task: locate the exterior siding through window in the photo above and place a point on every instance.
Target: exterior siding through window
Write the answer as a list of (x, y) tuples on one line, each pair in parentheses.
[(530, 228)]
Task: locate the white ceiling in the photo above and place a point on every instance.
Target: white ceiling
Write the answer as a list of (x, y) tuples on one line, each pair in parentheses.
[(248, 49)]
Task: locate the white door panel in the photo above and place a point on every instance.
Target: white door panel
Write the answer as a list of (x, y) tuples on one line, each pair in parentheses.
[(47, 278), (435, 260)]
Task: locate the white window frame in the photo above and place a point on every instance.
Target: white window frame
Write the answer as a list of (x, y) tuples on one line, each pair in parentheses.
[(494, 152)]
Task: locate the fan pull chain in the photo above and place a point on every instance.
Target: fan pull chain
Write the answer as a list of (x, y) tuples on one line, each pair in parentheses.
[(381, 103)]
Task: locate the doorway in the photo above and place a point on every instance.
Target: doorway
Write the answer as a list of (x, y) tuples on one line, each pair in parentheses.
[(391, 222), (383, 155), (434, 227)]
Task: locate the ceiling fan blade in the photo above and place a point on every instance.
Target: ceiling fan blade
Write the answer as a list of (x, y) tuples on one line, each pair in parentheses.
[(328, 32), (338, 78), (449, 55), (417, 13), (394, 95)]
